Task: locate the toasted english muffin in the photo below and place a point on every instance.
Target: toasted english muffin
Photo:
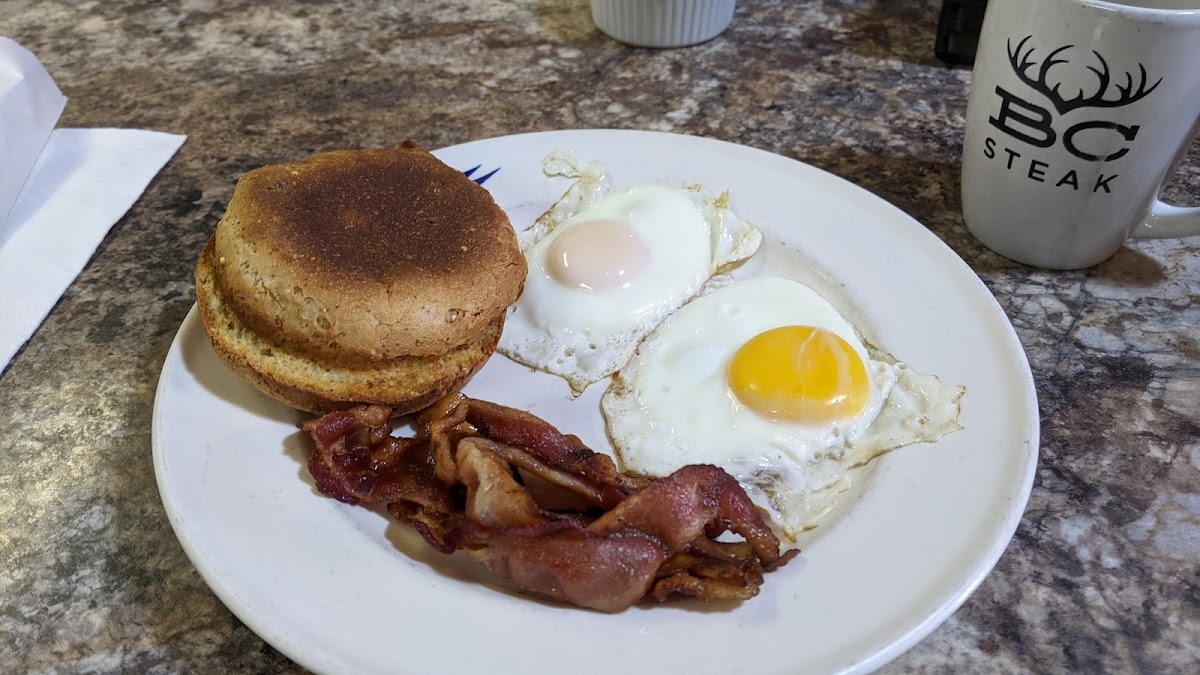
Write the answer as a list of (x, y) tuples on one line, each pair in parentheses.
[(369, 276), (405, 383), (355, 256)]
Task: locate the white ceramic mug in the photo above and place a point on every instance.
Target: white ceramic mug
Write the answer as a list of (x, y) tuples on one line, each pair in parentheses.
[(1079, 110)]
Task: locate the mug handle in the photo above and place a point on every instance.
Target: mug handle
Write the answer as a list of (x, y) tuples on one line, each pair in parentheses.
[(1168, 222)]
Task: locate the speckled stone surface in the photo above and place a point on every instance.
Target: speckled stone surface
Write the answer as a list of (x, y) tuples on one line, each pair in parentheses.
[(1103, 574)]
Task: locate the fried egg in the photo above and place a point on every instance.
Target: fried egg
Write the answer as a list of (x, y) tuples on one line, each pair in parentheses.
[(764, 378), (606, 266)]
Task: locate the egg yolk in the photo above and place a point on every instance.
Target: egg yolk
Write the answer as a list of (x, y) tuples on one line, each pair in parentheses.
[(799, 374), (598, 255)]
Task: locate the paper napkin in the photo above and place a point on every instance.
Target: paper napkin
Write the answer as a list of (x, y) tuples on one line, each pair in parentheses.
[(73, 187), (30, 104)]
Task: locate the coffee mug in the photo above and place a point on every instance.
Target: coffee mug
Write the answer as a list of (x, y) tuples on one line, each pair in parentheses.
[(1078, 112)]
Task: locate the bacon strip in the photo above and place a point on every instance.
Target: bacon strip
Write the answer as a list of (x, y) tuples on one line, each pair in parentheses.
[(459, 483), (563, 452)]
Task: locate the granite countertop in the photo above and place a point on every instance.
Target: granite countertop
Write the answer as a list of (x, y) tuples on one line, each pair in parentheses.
[(1103, 574)]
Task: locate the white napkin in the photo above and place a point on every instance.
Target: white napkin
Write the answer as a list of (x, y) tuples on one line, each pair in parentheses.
[(82, 182), (30, 104)]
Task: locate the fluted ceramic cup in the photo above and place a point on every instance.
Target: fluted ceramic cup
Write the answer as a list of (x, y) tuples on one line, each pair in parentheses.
[(1078, 112), (662, 23)]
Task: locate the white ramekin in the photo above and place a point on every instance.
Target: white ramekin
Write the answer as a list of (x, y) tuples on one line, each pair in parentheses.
[(662, 23)]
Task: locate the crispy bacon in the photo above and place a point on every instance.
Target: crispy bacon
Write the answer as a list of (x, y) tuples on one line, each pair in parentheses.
[(462, 483)]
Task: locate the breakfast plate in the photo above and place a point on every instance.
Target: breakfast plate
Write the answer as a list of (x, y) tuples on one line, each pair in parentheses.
[(345, 589)]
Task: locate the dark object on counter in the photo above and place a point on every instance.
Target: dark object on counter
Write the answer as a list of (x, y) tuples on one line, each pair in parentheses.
[(958, 30)]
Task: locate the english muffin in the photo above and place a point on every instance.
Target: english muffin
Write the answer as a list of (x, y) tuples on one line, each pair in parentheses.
[(368, 276)]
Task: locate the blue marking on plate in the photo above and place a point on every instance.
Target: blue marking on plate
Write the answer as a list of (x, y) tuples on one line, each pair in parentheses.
[(482, 178)]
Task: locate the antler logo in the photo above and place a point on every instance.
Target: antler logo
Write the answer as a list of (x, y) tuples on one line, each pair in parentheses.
[(1022, 63), (1031, 123)]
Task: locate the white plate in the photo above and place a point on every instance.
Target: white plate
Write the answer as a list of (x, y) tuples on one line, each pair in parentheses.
[(342, 589)]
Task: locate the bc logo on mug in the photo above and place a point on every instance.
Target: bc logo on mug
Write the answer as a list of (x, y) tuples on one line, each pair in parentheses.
[(1078, 111)]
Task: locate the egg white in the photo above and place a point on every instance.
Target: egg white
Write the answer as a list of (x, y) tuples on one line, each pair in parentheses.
[(585, 336), (671, 405)]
